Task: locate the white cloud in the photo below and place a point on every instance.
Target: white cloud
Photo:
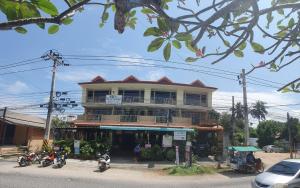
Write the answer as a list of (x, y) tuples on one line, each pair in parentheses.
[(78, 75), (154, 75), (222, 102), (17, 87)]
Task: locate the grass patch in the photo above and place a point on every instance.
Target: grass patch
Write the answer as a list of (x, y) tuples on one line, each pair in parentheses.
[(190, 171)]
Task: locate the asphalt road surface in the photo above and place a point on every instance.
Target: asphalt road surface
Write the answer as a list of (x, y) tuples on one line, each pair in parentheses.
[(16, 180), (72, 176)]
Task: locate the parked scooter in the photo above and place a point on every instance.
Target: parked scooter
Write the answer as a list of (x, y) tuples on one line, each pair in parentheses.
[(103, 161), (61, 159), (48, 160), (27, 159)]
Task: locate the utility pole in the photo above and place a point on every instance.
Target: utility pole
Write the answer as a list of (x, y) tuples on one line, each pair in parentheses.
[(246, 121), (57, 61), (290, 134), (232, 121)]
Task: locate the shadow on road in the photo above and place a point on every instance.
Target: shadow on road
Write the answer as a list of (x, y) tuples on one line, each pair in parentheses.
[(233, 174)]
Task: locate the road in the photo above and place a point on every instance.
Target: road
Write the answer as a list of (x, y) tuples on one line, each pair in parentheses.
[(72, 176)]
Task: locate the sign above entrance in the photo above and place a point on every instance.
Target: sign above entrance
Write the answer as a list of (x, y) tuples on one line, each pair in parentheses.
[(179, 135), (113, 99)]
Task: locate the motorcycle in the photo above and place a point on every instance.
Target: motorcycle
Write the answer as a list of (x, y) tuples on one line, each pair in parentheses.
[(28, 159), (61, 159), (103, 161), (48, 160)]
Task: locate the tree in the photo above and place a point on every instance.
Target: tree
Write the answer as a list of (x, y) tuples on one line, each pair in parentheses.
[(225, 121), (239, 111), (214, 115), (258, 110), (268, 131), (57, 123), (233, 24), (295, 130)]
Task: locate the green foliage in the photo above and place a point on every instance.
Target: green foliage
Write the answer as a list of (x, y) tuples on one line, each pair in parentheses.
[(225, 121), (268, 131), (214, 115), (155, 153), (259, 110), (295, 130), (252, 132), (189, 171), (57, 123), (167, 51), (21, 30), (53, 29), (171, 155), (86, 150)]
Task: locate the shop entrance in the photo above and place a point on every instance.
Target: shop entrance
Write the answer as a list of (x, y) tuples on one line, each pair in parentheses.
[(123, 143)]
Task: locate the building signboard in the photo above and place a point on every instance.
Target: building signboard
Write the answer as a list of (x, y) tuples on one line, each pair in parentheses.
[(167, 141), (179, 135), (113, 99), (76, 147)]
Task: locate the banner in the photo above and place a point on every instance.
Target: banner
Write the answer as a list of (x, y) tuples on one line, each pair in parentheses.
[(113, 99)]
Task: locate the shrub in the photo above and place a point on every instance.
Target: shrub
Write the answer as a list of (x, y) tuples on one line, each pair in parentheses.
[(86, 150), (146, 154), (171, 155), (157, 153)]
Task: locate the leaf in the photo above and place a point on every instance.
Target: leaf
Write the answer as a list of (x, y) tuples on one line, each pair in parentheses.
[(242, 46), (280, 11), (269, 18), (291, 22), (21, 30), (176, 44), (113, 8), (155, 44), (132, 13), (183, 36), (242, 19), (189, 46), (67, 21), (147, 11), (27, 10), (10, 9), (53, 29), (41, 25), (226, 43), (46, 6), (167, 51), (258, 48), (154, 31), (162, 24), (105, 16), (238, 53), (191, 59)]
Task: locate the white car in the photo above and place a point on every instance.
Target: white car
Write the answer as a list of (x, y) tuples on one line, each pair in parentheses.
[(285, 174), (272, 148)]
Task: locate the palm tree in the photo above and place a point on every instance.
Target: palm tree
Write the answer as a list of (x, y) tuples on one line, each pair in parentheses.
[(239, 111), (259, 110)]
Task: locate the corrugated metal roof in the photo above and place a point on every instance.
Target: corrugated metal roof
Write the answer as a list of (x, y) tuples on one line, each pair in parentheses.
[(22, 119)]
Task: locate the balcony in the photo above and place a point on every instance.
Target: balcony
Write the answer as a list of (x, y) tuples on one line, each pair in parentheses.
[(138, 119), (162, 100), (194, 102), (132, 99)]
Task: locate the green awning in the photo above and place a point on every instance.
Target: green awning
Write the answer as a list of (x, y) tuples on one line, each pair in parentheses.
[(244, 148), (127, 128)]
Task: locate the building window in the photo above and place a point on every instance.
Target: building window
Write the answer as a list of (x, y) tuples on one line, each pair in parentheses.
[(163, 97), (195, 99), (132, 96), (100, 95), (90, 96), (192, 99)]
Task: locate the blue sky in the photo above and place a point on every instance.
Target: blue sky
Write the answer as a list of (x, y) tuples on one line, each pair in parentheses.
[(84, 37)]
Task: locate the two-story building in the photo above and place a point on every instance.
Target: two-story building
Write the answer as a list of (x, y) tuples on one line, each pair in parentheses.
[(132, 110)]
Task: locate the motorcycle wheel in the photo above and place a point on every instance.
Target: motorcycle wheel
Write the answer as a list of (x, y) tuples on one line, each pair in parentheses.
[(23, 163), (44, 163)]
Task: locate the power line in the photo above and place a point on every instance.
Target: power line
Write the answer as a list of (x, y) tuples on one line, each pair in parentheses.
[(23, 61), (26, 70), (18, 65)]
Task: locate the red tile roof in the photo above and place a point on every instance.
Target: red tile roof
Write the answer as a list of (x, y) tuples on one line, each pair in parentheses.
[(133, 79)]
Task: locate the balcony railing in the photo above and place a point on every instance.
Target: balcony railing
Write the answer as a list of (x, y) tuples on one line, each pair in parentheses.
[(194, 102), (162, 100), (143, 119), (96, 99), (132, 99)]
